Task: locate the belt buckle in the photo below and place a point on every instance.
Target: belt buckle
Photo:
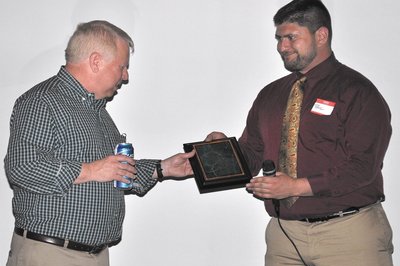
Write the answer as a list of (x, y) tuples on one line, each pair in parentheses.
[(349, 211)]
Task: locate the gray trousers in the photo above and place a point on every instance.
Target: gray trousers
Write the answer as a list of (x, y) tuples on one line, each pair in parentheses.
[(361, 239)]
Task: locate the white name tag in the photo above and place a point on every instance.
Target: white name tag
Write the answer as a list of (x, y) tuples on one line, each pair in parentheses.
[(323, 107)]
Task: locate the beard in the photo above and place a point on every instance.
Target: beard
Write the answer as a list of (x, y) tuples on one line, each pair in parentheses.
[(301, 61)]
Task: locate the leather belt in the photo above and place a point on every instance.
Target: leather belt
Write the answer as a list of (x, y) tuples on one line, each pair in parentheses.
[(343, 213), (65, 243)]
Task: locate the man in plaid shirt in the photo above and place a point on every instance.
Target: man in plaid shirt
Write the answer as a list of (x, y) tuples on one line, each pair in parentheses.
[(60, 162)]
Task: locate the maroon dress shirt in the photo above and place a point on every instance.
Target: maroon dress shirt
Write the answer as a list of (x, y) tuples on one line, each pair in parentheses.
[(340, 151)]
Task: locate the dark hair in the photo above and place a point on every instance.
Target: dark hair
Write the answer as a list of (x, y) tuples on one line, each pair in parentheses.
[(307, 13)]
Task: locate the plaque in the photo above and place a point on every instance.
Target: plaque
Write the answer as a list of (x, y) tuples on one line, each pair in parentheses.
[(218, 165)]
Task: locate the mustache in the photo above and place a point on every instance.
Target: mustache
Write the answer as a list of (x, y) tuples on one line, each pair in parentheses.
[(284, 54)]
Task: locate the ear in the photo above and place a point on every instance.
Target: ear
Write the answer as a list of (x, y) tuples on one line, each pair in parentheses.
[(95, 61), (322, 36)]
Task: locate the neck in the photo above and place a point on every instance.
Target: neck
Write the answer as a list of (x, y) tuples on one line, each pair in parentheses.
[(321, 57), (80, 73)]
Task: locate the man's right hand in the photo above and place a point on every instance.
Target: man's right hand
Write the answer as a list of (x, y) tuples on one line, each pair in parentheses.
[(113, 167)]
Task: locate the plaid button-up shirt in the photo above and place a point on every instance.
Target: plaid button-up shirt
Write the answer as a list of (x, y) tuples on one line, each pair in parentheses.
[(55, 127)]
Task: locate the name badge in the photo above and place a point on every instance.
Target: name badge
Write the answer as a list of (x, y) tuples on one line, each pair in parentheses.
[(323, 107)]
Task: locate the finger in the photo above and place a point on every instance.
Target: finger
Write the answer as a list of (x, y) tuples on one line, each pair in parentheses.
[(189, 154), (260, 190), (122, 179), (262, 195), (124, 158), (127, 171), (255, 182), (127, 167)]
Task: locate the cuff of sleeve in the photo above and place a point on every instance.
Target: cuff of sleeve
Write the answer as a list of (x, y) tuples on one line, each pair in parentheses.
[(145, 181), (68, 172), (319, 186)]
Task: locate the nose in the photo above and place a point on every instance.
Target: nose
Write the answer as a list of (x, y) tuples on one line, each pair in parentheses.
[(125, 75), (283, 45)]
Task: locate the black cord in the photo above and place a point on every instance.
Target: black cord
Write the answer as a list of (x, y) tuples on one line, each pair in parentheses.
[(277, 210)]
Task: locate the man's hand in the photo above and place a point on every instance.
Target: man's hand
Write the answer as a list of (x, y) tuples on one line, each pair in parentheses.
[(113, 167), (279, 187), (178, 165)]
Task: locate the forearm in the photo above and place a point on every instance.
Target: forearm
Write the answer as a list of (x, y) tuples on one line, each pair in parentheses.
[(44, 177), (302, 188), (253, 159)]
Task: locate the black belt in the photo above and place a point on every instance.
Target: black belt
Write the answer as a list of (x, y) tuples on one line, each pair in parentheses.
[(61, 242), (346, 212)]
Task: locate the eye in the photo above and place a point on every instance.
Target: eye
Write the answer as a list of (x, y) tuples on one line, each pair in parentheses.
[(288, 37), (291, 37)]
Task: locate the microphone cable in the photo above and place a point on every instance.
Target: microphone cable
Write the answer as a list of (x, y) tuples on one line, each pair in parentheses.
[(276, 204), (270, 170)]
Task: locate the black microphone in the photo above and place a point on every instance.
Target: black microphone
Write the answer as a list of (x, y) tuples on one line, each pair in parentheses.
[(270, 170)]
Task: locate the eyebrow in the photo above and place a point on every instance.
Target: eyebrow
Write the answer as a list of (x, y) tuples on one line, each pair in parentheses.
[(278, 37)]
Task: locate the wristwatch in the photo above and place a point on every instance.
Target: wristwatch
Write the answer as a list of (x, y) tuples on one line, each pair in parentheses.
[(159, 170)]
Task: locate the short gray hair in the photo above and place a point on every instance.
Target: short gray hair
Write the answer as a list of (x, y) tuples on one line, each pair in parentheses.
[(96, 35)]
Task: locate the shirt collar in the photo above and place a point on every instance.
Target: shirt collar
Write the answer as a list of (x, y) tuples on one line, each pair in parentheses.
[(75, 88), (318, 73), (322, 70)]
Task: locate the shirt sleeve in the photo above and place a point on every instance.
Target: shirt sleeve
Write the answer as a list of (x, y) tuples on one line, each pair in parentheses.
[(251, 143), (145, 181), (366, 135), (30, 162)]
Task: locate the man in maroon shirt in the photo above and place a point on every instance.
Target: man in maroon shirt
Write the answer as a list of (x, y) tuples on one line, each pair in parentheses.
[(343, 135)]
